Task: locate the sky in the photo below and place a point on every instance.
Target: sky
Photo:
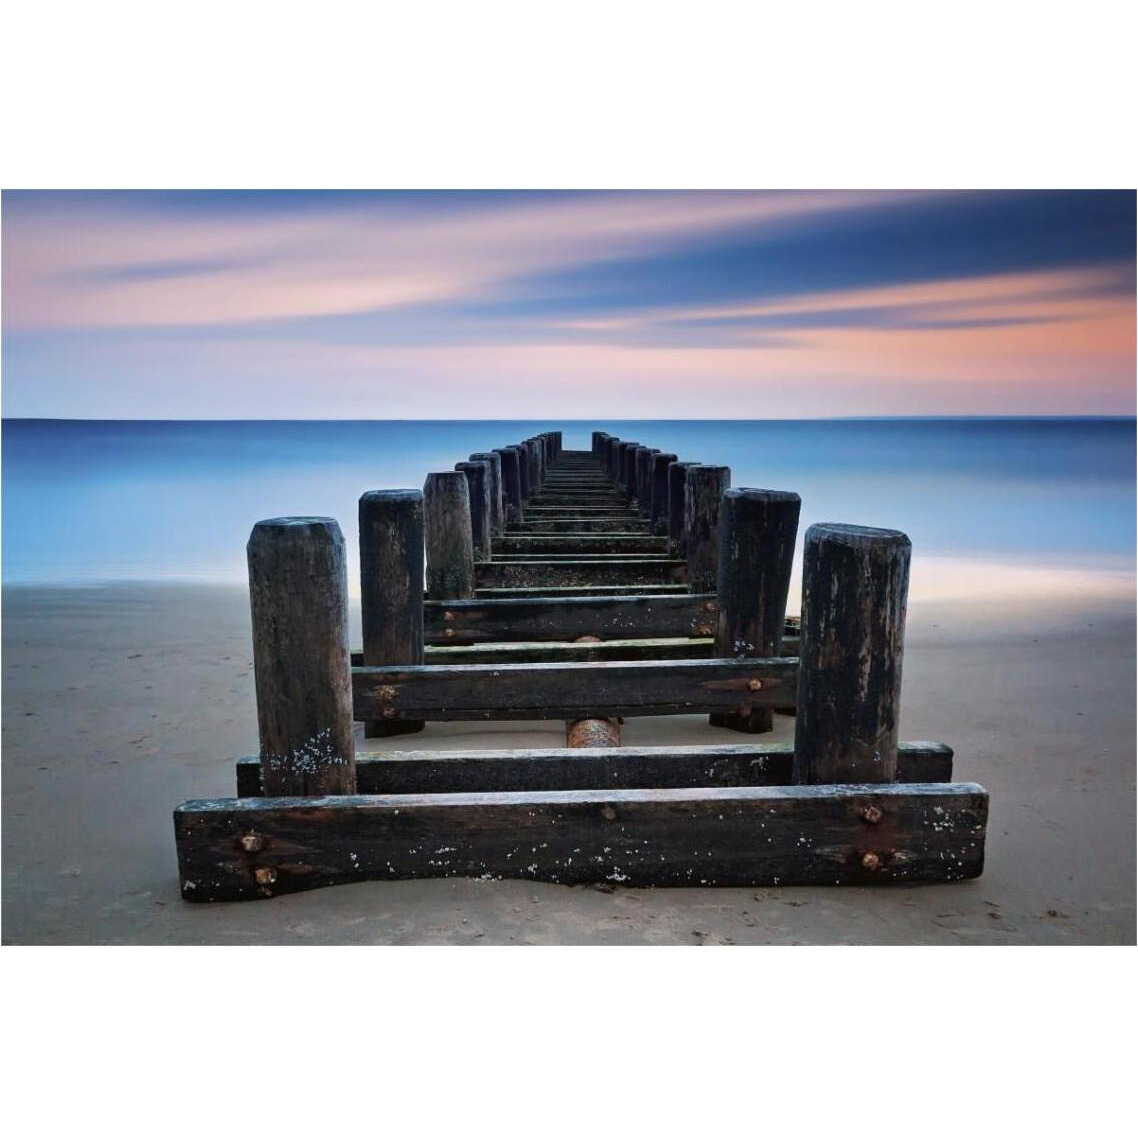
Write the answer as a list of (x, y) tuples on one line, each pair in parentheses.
[(719, 305)]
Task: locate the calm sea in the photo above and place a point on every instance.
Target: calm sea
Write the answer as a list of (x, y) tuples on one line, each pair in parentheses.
[(89, 501)]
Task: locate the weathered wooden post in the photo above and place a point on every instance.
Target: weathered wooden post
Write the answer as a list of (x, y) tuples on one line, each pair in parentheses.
[(530, 480), (627, 474), (598, 441), (608, 448), (644, 483), (478, 479), (523, 470), (660, 463), (511, 484), (704, 488), (298, 593), (855, 582), (450, 545), (497, 501), (757, 530), (612, 456), (677, 489), (391, 589)]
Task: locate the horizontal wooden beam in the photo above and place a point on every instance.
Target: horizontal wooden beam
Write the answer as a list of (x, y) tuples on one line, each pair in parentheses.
[(622, 571), (584, 553), (568, 691), (579, 591), (240, 849), (566, 652), (595, 543), (591, 768), (498, 618), (567, 618), (570, 524)]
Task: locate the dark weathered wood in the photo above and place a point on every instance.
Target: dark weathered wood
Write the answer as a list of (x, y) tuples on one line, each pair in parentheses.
[(580, 543), (497, 500), (659, 476), (757, 530), (704, 487), (450, 546), (512, 496), (478, 478), (567, 618), (585, 554), (677, 488), (391, 587), (615, 571), (237, 849), (554, 651), (626, 475), (571, 691), (579, 591), (592, 524), (644, 459), (298, 591), (855, 582), (450, 772)]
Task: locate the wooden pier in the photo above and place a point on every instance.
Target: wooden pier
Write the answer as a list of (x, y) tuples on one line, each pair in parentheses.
[(582, 586)]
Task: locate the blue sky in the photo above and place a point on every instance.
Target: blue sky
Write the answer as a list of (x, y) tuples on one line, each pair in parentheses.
[(636, 304)]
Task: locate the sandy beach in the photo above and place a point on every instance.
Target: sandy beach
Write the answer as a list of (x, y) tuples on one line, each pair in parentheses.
[(120, 701)]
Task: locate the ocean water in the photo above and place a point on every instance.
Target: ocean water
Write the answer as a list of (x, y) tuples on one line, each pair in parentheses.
[(98, 500)]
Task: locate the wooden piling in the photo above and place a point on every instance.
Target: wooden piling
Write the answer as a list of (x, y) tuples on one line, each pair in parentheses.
[(757, 530), (627, 475), (855, 583), (478, 479), (704, 487), (677, 486), (450, 545), (391, 589), (298, 591), (497, 500), (644, 457), (659, 476), (512, 497)]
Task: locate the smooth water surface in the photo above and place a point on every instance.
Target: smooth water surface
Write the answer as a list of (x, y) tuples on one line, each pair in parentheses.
[(101, 500)]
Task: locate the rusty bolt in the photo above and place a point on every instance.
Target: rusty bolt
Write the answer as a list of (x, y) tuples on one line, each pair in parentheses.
[(754, 685), (872, 814), (870, 860), (265, 875), (251, 842), (450, 634), (703, 629), (608, 813), (448, 616), (389, 713), (709, 606), (386, 691)]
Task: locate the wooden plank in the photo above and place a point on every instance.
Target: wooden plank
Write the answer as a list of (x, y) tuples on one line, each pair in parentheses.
[(616, 543), (242, 849), (557, 651), (601, 511), (584, 553), (447, 772), (531, 574), (566, 691), (567, 618), (580, 591), (575, 525)]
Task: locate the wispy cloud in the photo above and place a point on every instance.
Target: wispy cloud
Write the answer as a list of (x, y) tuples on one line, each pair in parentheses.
[(699, 304)]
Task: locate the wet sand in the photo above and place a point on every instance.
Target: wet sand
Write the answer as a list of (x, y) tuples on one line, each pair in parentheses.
[(120, 701)]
